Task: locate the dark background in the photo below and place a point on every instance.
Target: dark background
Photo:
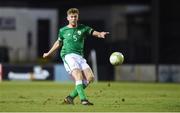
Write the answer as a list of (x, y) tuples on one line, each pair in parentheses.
[(153, 41), (163, 34)]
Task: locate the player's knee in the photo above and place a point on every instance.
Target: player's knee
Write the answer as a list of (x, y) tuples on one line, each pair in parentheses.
[(76, 73)]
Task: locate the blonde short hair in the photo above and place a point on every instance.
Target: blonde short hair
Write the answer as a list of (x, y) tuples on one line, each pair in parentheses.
[(73, 11)]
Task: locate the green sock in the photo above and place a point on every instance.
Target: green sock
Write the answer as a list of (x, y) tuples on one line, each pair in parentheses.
[(80, 91), (74, 93)]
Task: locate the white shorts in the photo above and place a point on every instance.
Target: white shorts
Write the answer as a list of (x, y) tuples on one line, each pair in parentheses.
[(74, 61)]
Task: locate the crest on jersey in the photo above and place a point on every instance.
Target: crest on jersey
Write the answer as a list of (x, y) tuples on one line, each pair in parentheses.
[(79, 32)]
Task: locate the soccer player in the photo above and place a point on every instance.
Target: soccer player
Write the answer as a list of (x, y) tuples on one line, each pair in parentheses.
[(71, 38)]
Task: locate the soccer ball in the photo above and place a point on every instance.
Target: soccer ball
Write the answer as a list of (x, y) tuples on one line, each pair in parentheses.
[(116, 58)]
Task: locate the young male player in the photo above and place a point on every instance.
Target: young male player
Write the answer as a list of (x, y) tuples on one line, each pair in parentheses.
[(71, 38)]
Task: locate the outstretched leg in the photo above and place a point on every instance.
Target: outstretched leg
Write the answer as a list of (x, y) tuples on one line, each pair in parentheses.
[(87, 77), (81, 72)]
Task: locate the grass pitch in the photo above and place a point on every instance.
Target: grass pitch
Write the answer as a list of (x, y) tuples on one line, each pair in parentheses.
[(107, 97)]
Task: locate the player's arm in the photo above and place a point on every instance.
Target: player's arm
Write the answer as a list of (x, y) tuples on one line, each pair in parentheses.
[(99, 34), (55, 46)]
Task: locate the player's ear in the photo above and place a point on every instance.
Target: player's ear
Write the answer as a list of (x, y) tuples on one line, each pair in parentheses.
[(78, 17), (67, 17)]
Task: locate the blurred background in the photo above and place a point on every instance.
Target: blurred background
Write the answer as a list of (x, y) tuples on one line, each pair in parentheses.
[(145, 31)]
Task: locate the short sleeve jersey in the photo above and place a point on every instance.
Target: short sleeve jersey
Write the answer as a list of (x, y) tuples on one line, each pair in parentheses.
[(73, 39)]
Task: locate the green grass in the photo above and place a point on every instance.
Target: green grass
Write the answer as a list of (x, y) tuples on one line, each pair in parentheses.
[(107, 96)]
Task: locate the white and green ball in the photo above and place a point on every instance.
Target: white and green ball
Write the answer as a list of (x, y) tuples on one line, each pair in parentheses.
[(116, 58)]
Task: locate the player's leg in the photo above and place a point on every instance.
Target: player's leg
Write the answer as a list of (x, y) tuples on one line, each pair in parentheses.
[(72, 65), (79, 87), (74, 93), (79, 90), (88, 78), (70, 98), (88, 75), (77, 74)]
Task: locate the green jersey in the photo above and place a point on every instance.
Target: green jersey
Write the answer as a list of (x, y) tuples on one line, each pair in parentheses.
[(73, 39)]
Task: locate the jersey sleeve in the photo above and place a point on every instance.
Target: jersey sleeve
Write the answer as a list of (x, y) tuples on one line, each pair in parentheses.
[(60, 35), (89, 30)]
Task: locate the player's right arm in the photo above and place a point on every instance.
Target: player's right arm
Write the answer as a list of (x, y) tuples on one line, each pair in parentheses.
[(55, 46)]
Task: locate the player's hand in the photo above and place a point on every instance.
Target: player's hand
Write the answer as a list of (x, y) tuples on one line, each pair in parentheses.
[(45, 55), (103, 34)]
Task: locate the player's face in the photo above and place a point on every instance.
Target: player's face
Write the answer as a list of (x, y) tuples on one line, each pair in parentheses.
[(72, 18)]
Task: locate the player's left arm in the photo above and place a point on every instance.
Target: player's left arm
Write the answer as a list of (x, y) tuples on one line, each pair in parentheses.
[(99, 34)]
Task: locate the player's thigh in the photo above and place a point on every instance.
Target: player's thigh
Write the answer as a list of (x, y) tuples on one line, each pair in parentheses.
[(75, 72), (88, 74), (71, 63), (72, 66)]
